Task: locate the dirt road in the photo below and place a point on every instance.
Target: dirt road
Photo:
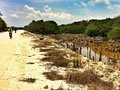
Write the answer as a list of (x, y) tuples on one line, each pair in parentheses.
[(14, 54), (20, 68)]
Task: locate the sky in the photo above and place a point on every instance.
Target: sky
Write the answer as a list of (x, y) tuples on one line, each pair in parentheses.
[(22, 12)]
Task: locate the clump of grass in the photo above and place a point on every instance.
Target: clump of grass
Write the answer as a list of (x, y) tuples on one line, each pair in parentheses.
[(76, 63), (53, 75), (28, 34), (28, 80), (36, 40), (57, 60), (89, 78), (42, 43), (55, 52), (45, 50), (60, 88), (30, 62), (74, 55)]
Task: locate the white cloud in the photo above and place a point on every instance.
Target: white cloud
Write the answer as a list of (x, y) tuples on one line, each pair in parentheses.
[(103, 1), (94, 2), (14, 16), (91, 3), (47, 9), (76, 4), (83, 4), (30, 13), (47, 14), (115, 8), (43, 1), (110, 7), (49, 1)]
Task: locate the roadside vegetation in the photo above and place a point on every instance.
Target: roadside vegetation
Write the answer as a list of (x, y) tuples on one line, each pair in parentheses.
[(74, 72)]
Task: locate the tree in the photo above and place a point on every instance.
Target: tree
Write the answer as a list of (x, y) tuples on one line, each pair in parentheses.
[(114, 33), (42, 27), (2, 25), (91, 30)]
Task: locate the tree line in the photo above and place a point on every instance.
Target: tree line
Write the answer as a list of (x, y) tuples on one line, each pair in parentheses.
[(108, 28)]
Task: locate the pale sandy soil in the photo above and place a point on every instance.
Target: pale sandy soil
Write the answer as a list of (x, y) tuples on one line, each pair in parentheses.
[(14, 54)]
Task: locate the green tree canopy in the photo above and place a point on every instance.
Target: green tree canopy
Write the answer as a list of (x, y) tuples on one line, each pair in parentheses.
[(92, 27), (92, 30), (2, 25), (114, 33), (47, 27)]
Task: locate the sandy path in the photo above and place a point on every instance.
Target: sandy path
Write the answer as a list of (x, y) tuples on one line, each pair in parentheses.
[(14, 54), (13, 57)]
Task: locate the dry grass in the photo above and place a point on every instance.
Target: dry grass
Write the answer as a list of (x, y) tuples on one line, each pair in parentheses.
[(89, 78), (45, 49), (57, 60), (42, 43), (53, 75), (30, 63), (60, 88), (28, 80), (28, 34), (57, 57), (56, 52)]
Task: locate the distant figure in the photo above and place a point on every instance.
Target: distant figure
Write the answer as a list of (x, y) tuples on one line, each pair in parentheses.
[(10, 32), (15, 30)]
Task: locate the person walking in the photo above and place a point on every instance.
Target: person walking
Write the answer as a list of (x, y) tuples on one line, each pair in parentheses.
[(10, 32), (15, 30)]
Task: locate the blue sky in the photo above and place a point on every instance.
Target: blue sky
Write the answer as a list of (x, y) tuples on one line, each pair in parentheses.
[(22, 12)]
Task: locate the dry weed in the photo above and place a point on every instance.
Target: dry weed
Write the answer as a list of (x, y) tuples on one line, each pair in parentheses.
[(53, 75), (57, 60), (42, 43), (57, 57), (89, 78), (28, 80)]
